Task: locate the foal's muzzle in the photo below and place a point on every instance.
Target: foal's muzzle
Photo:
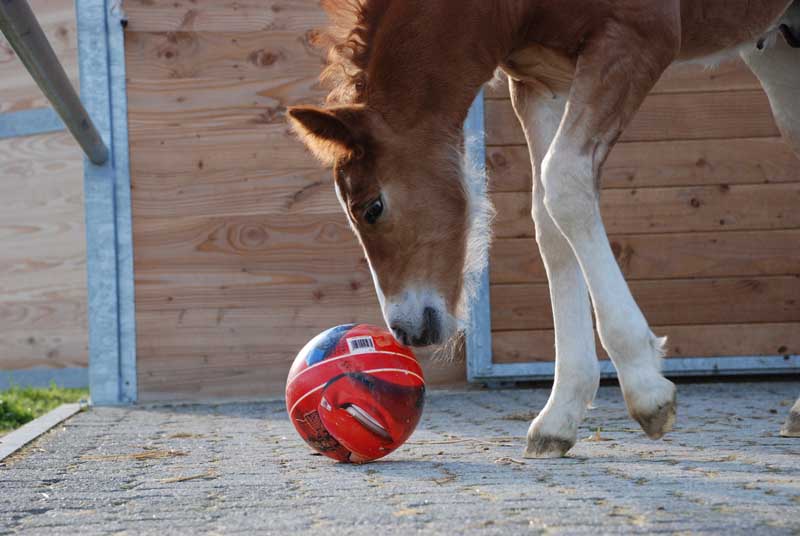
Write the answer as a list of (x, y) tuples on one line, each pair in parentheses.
[(428, 332)]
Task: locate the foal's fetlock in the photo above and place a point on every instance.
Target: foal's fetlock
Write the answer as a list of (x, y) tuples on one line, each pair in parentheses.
[(791, 427), (547, 444), (655, 408)]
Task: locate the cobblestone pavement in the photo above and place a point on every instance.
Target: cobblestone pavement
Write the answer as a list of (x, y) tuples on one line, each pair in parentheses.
[(241, 468)]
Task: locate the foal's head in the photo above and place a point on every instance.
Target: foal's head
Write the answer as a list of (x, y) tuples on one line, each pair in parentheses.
[(409, 200), (398, 169)]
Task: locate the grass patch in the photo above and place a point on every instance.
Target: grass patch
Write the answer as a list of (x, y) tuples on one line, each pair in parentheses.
[(20, 405)]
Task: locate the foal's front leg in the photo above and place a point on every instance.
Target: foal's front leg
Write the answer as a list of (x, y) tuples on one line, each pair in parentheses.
[(614, 73), (554, 431)]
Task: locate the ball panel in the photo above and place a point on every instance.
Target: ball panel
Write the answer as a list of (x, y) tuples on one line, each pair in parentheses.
[(310, 377)]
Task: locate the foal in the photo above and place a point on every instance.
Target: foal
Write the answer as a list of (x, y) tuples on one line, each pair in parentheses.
[(403, 74)]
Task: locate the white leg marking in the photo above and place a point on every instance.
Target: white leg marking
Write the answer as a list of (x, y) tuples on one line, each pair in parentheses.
[(791, 427), (554, 431), (572, 201)]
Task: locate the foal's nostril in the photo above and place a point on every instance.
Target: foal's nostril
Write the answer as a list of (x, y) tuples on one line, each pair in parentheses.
[(400, 334), (431, 330)]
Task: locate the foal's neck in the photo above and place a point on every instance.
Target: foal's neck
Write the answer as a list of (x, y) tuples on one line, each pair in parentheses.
[(430, 58)]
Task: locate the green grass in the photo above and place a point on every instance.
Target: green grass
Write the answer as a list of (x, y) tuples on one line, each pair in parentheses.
[(19, 405)]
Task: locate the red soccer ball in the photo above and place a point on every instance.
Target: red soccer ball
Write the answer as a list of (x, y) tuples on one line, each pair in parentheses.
[(354, 393)]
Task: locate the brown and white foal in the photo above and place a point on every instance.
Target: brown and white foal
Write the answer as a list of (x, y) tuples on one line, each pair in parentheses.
[(403, 74)]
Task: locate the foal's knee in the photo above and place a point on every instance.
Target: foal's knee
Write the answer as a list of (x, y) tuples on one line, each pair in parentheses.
[(570, 192)]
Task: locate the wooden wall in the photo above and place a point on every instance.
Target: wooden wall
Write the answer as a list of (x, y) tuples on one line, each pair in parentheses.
[(42, 237), (242, 252), (701, 203)]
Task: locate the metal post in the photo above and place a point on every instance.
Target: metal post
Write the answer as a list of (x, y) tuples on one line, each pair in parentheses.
[(23, 32)]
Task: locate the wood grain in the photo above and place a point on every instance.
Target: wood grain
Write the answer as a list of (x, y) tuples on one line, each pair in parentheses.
[(665, 163), (243, 352), (52, 348), (672, 210), (43, 317), (657, 256), (241, 16), (18, 91), (680, 116), (297, 193), (682, 341), (225, 55), (667, 302), (237, 376), (319, 244)]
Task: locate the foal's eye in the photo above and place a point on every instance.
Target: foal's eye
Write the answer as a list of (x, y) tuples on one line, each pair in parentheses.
[(374, 211)]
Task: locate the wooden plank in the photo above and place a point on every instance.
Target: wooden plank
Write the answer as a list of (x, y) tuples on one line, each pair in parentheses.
[(672, 210), (216, 16), (249, 261), (681, 255), (242, 376), (165, 109), (65, 347), (667, 302), (297, 192), (201, 353), (247, 245), (732, 114), (223, 55), (256, 148), (665, 163), (18, 91), (682, 341), (43, 253), (182, 291), (684, 78), (42, 314)]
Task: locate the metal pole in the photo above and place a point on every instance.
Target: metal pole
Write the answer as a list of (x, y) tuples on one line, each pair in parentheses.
[(23, 32)]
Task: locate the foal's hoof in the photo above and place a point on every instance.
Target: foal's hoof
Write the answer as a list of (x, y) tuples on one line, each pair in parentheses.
[(792, 426), (659, 419), (543, 446)]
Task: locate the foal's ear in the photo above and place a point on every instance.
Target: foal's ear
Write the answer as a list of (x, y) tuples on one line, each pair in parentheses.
[(332, 133)]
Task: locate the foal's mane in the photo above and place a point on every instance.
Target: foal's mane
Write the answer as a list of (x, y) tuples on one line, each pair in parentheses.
[(348, 40)]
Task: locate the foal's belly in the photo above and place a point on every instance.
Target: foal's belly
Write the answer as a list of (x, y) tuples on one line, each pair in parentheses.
[(710, 27)]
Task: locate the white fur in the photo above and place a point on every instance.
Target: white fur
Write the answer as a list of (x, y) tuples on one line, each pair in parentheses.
[(577, 371), (480, 214), (572, 201)]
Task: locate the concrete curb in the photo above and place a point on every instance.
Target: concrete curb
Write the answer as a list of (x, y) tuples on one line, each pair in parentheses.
[(11, 443)]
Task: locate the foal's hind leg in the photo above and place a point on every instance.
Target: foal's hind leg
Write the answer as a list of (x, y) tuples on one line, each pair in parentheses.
[(614, 73), (555, 429), (792, 426), (777, 66)]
